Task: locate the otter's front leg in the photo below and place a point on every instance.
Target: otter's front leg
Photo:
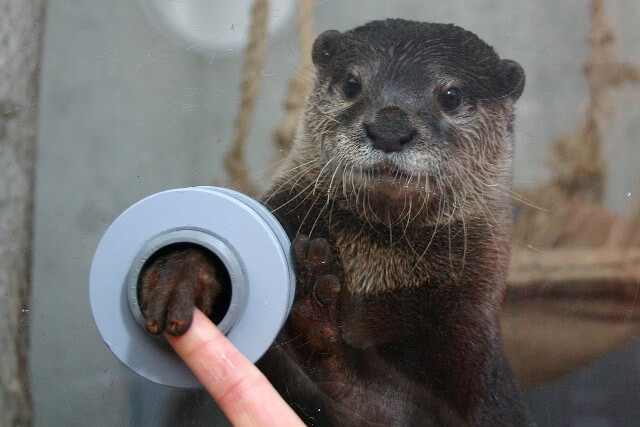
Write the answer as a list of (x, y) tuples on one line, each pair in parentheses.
[(314, 323), (173, 283), (355, 387)]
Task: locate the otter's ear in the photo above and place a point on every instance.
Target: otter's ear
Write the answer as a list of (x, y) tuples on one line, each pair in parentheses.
[(511, 79), (325, 47)]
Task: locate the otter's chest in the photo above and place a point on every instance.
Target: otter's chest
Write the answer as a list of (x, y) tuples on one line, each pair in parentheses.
[(372, 265)]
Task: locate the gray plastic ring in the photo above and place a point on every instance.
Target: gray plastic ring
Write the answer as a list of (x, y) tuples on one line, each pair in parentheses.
[(241, 232), (201, 238)]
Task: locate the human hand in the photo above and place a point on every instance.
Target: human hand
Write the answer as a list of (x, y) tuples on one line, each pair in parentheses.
[(243, 393)]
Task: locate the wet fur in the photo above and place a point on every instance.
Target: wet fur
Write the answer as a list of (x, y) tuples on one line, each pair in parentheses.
[(422, 265)]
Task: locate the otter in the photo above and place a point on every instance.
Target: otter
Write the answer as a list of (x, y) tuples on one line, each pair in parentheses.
[(395, 194)]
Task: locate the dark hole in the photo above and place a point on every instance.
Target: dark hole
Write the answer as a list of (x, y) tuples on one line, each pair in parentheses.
[(221, 303)]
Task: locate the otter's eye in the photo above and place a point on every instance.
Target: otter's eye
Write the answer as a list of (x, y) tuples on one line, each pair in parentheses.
[(352, 87), (450, 99)]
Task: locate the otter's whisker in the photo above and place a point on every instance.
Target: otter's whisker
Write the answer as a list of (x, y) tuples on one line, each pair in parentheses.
[(330, 189), (304, 190), (315, 186), (311, 208), (297, 175), (435, 229), (273, 165)]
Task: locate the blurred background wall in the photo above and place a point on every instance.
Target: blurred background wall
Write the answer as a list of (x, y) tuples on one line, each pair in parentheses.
[(125, 112)]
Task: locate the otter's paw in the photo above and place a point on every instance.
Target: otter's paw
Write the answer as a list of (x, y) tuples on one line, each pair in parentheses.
[(315, 315), (172, 284)]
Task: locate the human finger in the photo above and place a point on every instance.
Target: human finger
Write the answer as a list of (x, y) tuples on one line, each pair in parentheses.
[(243, 393)]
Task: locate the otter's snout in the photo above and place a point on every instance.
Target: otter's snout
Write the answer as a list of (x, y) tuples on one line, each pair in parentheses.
[(390, 130)]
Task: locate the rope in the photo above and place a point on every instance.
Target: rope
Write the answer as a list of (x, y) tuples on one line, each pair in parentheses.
[(235, 162), (577, 163), (300, 84), (305, 31)]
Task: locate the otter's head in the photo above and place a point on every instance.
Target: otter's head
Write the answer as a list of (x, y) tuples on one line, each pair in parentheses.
[(412, 114)]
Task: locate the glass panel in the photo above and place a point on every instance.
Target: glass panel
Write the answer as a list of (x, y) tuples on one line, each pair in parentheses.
[(127, 111)]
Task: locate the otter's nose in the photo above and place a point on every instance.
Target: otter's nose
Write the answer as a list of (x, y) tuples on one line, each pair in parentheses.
[(390, 130)]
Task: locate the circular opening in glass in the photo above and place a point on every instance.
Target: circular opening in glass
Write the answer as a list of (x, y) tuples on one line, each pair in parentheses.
[(222, 298)]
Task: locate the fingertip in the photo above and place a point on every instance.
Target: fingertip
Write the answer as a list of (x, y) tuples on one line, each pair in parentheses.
[(200, 329)]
